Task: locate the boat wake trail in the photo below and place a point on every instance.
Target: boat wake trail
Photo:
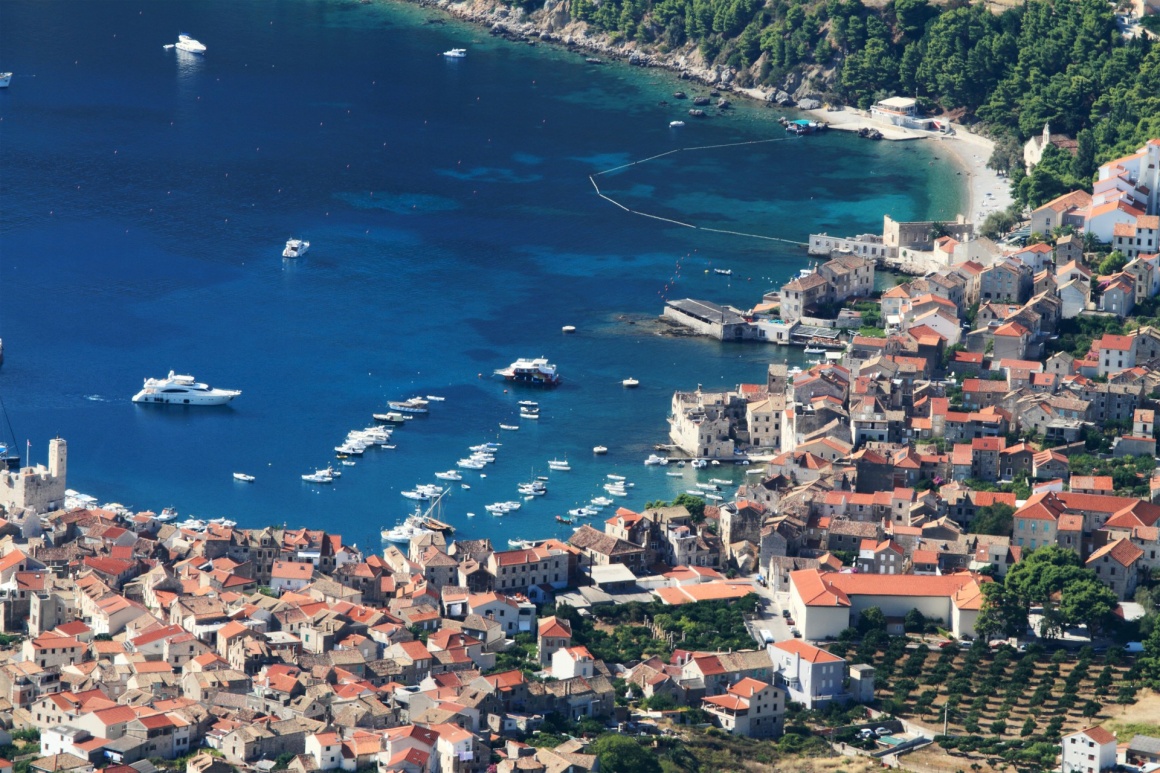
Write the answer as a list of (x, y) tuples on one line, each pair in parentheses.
[(601, 194)]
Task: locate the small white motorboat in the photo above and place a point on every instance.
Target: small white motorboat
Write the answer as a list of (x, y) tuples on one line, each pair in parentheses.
[(675, 474), (560, 465), (566, 328), (614, 476), (630, 383), (435, 398), (465, 487), (314, 477), (509, 427), (348, 463), (599, 450), (723, 271), (814, 350), (295, 248), (456, 53), (243, 477), (529, 414), (449, 475), (676, 124)]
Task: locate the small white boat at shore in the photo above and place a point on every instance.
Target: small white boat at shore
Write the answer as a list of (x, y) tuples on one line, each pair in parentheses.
[(653, 459), (456, 53), (814, 350), (243, 477)]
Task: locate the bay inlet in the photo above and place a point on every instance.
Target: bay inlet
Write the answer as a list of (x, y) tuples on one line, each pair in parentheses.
[(148, 196)]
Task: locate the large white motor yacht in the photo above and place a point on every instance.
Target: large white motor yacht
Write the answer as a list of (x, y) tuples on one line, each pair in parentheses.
[(182, 390), (5, 79), (186, 43)]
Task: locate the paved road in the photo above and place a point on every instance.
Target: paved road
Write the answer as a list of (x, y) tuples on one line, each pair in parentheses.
[(769, 616)]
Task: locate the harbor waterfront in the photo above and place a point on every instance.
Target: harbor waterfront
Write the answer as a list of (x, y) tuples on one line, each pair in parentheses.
[(149, 195)]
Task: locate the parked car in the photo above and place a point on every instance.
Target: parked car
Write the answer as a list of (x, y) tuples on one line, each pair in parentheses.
[(882, 732), (865, 733), (1134, 646), (796, 633), (785, 613)]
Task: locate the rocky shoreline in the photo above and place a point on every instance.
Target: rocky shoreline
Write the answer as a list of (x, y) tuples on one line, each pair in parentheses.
[(553, 24)]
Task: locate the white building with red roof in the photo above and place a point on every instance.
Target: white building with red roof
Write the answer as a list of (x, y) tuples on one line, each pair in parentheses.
[(1089, 751), (811, 676), (570, 662), (825, 604)]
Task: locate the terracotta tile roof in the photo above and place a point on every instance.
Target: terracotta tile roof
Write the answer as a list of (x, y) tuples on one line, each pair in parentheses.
[(1122, 551), (808, 652), (1115, 342), (815, 592), (1099, 735)]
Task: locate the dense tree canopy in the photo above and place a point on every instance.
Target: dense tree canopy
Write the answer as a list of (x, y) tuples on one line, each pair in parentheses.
[(621, 754), (1039, 62), (1053, 579)]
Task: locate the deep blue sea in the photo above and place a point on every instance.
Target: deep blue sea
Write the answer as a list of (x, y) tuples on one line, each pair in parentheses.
[(146, 195)]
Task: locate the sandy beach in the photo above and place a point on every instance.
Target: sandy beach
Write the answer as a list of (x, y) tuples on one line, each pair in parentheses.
[(987, 191)]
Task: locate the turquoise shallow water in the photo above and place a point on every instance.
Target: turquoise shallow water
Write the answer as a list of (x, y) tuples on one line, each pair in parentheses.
[(146, 197)]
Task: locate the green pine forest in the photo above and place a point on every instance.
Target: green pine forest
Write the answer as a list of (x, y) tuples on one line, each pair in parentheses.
[(1061, 62)]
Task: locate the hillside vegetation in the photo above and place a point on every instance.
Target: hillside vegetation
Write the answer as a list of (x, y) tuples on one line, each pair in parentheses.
[(1060, 62)]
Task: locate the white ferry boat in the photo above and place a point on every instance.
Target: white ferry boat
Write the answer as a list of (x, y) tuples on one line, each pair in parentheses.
[(182, 390), (537, 372), (295, 248)]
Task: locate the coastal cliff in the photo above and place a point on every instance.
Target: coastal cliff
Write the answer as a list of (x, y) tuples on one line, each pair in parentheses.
[(553, 23)]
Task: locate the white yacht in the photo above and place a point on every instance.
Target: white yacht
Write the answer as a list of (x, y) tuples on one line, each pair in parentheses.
[(189, 45), (295, 248), (559, 465), (676, 124), (403, 532), (654, 459), (630, 383), (456, 53), (5, 79), (449, 475), (182, 390), (243, 477), (600, 450)]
